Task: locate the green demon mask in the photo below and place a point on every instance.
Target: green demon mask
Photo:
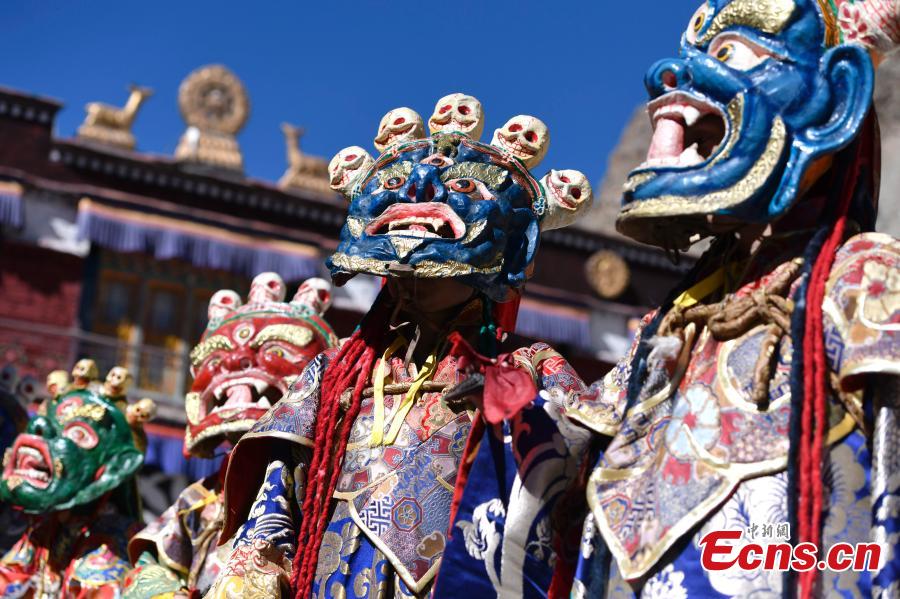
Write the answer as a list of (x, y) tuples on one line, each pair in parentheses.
[(80, 448)]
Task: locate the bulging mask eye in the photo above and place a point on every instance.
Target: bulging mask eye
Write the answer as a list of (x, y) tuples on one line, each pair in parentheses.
[(737, 52), (279, 351), (437, 160), (463, 185), (697, 22), (471, 187), (81, 435), (394, 183)]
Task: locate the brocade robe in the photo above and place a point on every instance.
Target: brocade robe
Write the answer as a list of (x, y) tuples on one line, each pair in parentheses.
[(56, 559), (180, 551), (391, 522), (696, 454)]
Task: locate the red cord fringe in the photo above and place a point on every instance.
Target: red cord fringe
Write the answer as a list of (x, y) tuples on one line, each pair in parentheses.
[(814, 417), (349, 369)]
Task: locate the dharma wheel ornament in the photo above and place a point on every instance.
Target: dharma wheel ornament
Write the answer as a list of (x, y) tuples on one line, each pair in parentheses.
[(214, 104)]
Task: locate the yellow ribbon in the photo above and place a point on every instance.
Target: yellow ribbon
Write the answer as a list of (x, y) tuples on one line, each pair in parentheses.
[(378, 395), (199, 504), (399, 416), (706, 286)]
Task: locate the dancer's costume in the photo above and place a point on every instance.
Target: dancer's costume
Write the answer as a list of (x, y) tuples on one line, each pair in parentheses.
[(356, 472), (72, 474), (246, 360), (765, 391)]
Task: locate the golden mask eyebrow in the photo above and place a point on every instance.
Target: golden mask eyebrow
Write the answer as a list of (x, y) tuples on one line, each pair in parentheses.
[(490, 174), (289, 333), (767, 16), (398, 169), (93, 412), (205, 348)]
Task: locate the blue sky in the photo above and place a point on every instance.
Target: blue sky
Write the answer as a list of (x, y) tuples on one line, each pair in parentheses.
[(336, 67)]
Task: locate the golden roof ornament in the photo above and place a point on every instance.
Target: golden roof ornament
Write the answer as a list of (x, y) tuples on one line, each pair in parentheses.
[(214, 104), (111, 125), (304, 172)]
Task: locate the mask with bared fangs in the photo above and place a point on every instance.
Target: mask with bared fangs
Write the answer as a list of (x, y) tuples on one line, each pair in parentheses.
[(249, 355), (762, 95), (80, 448), (450, 206)]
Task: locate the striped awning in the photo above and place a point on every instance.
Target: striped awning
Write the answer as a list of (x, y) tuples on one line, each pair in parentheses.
[(10, 203), (554, 323), (164, 451), (201, 244)]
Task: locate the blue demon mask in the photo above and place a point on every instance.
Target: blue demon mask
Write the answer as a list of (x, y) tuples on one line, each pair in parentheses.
[(761, 96), (448, 206)]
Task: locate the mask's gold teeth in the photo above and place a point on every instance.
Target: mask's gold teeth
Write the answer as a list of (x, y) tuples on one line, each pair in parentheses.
[(474, 231), (192, 407), (355, 226)]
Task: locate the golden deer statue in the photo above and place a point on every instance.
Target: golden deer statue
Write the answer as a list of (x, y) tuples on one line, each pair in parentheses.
[(303, 171), (112, 125)]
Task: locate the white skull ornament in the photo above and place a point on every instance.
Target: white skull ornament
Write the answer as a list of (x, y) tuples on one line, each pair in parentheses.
[(400, 124), (266, 288), (457, 112), (222, 303), (56, 382), (141, 412), (525, 137), (118, 379), (84, 372), (314, 294), (347, 165), (569, 194)]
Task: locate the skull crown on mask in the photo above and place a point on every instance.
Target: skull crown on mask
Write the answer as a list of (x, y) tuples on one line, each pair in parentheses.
[(79, 447), (249, 355), (448, 205)]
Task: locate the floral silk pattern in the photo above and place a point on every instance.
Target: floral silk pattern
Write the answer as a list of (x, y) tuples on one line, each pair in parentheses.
[(702, 456), (54, 560), (388, 535), (184, 539)]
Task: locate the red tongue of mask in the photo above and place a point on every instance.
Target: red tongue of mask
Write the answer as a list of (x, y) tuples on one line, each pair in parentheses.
[(29, 462), (668, 140), (238, 395)]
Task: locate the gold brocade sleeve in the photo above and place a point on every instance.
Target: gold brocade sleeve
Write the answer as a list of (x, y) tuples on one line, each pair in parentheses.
[(862, 310), (255, 571)]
